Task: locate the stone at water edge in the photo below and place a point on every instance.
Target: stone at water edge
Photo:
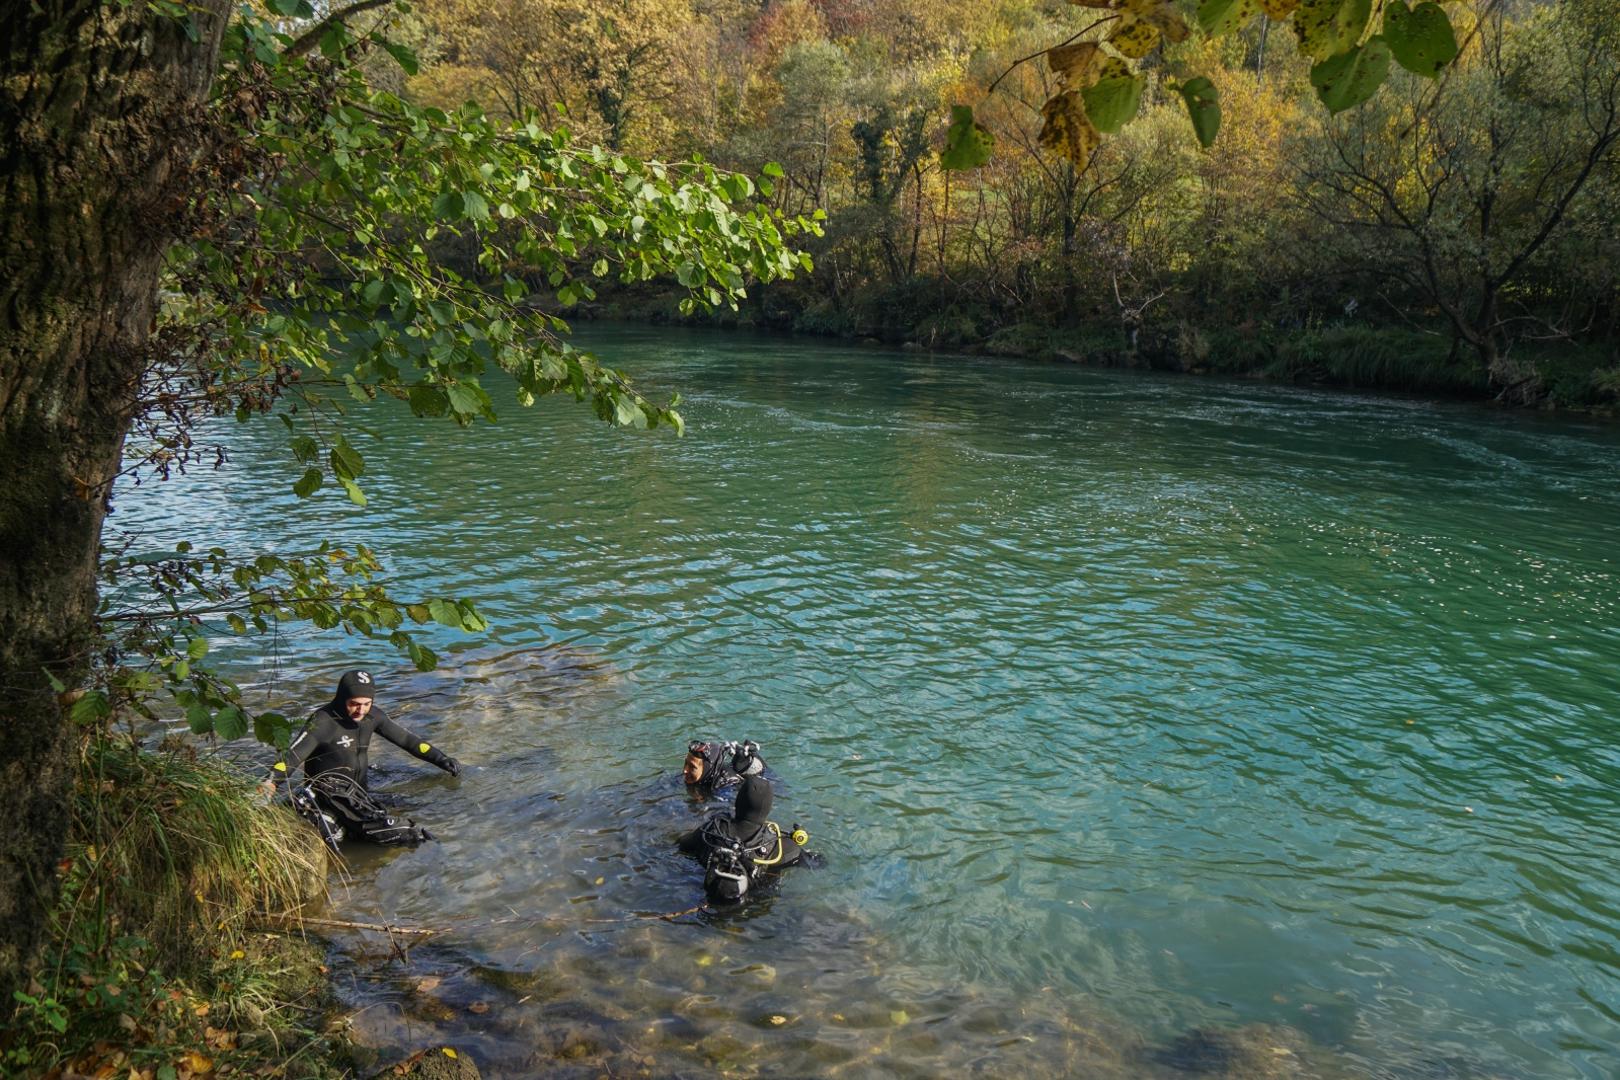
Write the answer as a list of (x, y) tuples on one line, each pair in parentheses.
[(439, 1063)]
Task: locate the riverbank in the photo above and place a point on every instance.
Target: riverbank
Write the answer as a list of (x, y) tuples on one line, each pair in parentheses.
[(153, 967), (1581, 377)]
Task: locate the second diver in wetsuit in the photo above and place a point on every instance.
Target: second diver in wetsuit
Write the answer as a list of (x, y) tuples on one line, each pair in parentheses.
[(740, 848), (711, 765)]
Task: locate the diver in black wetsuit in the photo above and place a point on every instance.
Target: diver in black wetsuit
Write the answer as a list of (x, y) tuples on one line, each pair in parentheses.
[(738, 850), (338, 735), (333, 749), (712, 766)]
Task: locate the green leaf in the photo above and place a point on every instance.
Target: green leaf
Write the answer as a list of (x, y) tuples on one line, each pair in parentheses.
[(967, 143), (197, 648), (305, 449), (293, 9), (333, 41), (1225, 16), (237, 624), (1420, 38), (356, 496), (272, 729), (403, 55), (423, 657), (625, 411), (345, 460), (428, 400), (198, 719), (1328, 27), (772, 169), (308, 484), (445, 612), (1204, 107), (470, 619), (465, 399), (93, 706), (1112, 103), (474, 206), (230, 723), (448, 206), (1347, 80)]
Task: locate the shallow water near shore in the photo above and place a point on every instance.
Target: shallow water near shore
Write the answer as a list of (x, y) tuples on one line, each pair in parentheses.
[(1129, 712)]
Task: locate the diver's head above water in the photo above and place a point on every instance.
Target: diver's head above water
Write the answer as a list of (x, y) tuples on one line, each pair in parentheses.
[(753, 807), (355, 693), (697, 765), (711, 764)]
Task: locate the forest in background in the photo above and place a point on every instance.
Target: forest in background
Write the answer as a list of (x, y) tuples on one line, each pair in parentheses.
[(1450, 235)]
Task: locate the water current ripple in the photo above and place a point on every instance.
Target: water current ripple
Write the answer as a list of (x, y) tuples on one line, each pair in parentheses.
[(1127, 712)]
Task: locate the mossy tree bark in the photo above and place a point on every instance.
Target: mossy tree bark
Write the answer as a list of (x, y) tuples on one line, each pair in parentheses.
[(97, 102)]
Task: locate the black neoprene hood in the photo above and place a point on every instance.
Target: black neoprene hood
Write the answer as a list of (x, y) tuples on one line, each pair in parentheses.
[(753, 802), (355, 684)]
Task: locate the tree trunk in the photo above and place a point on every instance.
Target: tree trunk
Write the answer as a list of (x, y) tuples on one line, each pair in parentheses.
[(97, 113)]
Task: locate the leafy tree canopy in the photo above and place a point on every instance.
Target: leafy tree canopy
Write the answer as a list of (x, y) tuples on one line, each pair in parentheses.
[(1101, 73), (353, 245)]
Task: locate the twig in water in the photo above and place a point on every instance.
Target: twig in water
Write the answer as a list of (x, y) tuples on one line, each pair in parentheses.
[(343, 924)]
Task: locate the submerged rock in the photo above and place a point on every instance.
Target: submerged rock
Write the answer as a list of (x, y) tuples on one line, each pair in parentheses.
[(1255, 1052), (439, 1063)]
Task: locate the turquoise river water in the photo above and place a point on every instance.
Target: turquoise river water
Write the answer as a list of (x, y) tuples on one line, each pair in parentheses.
[(1149, 726)]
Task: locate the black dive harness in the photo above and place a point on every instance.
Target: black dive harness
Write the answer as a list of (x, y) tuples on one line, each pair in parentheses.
[(338, 807), (732, 866)]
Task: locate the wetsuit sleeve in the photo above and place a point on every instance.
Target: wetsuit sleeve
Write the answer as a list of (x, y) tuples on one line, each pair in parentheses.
[(692, 843), (303, 745), (415, 745)]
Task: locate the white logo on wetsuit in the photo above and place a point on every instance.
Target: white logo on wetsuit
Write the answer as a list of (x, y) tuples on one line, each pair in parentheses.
[(363, 677), (345, 742)]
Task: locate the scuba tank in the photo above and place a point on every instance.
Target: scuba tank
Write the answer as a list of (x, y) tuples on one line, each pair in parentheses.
[(727, 873)]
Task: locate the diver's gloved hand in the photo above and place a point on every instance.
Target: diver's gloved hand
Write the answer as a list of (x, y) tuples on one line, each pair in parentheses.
[(438, 757)]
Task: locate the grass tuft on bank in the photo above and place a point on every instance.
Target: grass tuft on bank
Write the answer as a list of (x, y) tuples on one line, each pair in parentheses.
[(151, 969)]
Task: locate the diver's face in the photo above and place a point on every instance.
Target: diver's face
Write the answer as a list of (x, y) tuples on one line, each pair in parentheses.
[(692, 771), (357, 707)]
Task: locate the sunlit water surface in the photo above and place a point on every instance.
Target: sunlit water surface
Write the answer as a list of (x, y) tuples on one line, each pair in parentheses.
[(1150, 727)]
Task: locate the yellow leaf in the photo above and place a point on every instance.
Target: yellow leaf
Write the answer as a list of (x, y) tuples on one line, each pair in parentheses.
[(1162, 15), (237, 954), (1111, 67), (196, 1062), (778, 1020), (1071, 63), (1279, 9), (1066, 128), (1134, 38), (1327, 27), (449, 1053)]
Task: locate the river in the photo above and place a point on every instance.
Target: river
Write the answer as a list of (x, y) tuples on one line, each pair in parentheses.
[(1149, 726)]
